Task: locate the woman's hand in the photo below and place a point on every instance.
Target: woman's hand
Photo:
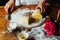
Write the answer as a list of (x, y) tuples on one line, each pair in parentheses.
[(9, 4), (41, 6)]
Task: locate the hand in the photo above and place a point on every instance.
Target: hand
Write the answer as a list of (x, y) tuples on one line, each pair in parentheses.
[(42, 9), (9, 4)]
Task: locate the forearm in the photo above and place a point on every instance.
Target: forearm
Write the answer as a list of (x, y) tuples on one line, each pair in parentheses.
[(12, 0), (42, 2)]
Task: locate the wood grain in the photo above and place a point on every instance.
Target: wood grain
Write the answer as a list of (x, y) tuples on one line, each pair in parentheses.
[(7, 36), (1, 6), (2, 11)]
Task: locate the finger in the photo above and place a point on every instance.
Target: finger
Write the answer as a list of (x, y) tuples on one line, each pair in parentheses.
[(36, 7), (12, 8), (44, 10), (41, 10), (5, 8)]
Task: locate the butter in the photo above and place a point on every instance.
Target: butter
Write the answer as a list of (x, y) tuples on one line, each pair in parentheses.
[(37, 14)]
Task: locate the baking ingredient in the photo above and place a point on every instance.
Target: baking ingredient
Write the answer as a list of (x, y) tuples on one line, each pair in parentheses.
[(36, 14)]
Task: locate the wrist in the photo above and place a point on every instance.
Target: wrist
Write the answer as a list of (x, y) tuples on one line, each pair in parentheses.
[(42, 2), (11, 0)]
